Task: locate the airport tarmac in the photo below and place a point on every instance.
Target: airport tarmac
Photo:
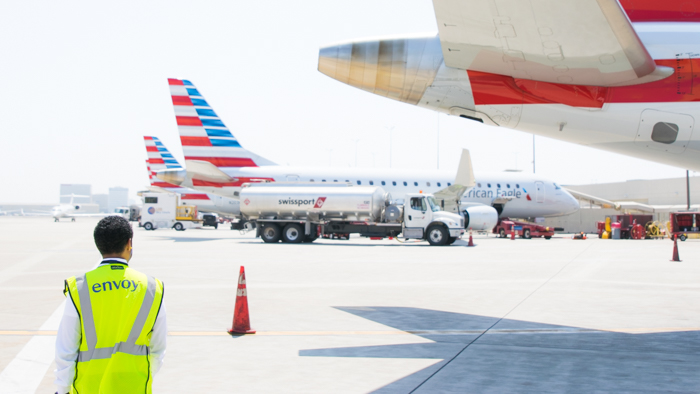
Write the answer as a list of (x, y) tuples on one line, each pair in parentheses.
[(376, 316)]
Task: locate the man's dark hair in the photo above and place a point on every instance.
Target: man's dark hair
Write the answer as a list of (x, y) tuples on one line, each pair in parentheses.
[(112, 234)]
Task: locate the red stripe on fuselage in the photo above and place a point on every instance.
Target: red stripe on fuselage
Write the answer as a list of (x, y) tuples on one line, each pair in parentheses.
[(224, 161), (195, 141), (494, 89), (182, 100), (188, 121), (193, 196), (662, 11), (239, 182)]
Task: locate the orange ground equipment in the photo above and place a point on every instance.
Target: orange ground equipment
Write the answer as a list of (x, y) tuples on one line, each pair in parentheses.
[(471, 240), (675, 256), (507, 227), (581, 235), (241, 318)]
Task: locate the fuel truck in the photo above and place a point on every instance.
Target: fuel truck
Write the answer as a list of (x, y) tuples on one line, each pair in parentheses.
[(296, 213)]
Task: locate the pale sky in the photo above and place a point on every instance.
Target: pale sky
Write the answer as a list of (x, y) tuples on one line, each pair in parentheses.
[(85, 81)]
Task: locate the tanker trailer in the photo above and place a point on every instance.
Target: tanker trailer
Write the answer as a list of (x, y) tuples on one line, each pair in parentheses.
[(295, 213)]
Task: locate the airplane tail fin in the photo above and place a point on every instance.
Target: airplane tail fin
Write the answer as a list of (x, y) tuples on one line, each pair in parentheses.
[(203, 134), (159, 158)]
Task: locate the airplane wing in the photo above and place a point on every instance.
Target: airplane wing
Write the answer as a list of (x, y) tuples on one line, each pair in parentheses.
[(582, 42), (451, 195)]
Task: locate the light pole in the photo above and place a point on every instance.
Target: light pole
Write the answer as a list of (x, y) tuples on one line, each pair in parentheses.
[(390, 128), (330, 156), (356, 141)]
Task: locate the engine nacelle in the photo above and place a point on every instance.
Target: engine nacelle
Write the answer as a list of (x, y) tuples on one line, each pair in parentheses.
[(480, 217)]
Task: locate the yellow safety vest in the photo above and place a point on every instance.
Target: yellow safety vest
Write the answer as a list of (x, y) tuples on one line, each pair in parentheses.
[(118, 307)]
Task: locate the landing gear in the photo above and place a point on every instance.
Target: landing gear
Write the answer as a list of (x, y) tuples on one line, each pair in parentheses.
[(55, 220), (72, 219)]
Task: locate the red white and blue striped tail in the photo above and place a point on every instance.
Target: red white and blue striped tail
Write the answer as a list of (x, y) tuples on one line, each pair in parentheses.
[(203, 134), (159, 158)]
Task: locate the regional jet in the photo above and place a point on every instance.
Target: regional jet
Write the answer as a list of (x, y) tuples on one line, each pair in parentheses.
[(217, 163)]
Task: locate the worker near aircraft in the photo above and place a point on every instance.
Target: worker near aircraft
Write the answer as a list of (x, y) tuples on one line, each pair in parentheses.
[(112, 335)]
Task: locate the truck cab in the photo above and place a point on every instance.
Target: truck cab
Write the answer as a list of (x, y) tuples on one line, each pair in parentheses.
[(424, 219)]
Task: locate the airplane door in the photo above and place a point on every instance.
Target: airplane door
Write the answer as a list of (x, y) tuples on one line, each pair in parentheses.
[(539, 192), (664, 131)]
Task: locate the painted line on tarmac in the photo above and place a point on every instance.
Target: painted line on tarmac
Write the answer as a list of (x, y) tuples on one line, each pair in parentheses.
[(641, 330), (26, 371)]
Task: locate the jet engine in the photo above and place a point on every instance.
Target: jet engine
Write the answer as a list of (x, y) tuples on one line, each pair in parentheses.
[(480, 217)]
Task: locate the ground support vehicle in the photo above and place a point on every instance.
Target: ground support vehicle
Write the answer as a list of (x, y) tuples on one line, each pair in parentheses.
[(302, 213), (161, 210), (629, 226), (683, 224), (210, 220), (506, 227)]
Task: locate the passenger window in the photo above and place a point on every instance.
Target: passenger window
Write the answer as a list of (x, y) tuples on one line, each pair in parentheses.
[(359, 182), (438, 184), (371, 182), (664, 133), (427, 184), (393, 183), (405, 184), (323, 180), (508, 185), (517, 186), (311, 180), (478, 185), (498, 185), (449, 184), (383, 183), (488, 184), (335, 180), (415, 183), (347, 180)]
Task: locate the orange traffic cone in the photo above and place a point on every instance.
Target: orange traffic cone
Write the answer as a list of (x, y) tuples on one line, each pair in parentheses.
[(675, 257), (471, 240), (512, 235), (241, 319)]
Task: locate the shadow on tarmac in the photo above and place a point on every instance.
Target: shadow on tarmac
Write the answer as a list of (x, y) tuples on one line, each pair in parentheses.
[(520, 356)]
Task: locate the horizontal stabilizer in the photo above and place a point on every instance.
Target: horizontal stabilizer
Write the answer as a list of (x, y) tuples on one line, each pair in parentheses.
[(206, 171)]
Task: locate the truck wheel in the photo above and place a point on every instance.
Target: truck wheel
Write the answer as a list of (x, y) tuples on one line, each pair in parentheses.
[(502, 233), (683, 237), (271, 233), (148, 226), (451, 240), (526, 233), (179, 227), (216, 226), (547, 237), (437, 236), (293, 234)]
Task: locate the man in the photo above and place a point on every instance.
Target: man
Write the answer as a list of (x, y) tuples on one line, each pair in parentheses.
[(112, 334)]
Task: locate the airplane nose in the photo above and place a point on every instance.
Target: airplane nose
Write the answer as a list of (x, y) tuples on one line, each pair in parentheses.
[(400, 69), (173, 176)]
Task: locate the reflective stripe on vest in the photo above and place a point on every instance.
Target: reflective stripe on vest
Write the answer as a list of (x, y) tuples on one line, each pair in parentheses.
[(128, 347)]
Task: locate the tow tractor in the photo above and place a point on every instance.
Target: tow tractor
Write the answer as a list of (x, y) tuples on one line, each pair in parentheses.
[(526, 230)]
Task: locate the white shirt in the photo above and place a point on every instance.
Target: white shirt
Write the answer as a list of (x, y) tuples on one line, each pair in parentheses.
[(68, 342)]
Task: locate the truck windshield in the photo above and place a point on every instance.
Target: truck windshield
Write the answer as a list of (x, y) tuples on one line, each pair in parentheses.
[(433, 205)]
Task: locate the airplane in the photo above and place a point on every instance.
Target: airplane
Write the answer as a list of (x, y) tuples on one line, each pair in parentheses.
[(617, 76), (217, 163), (159, 158), (71, 210)]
